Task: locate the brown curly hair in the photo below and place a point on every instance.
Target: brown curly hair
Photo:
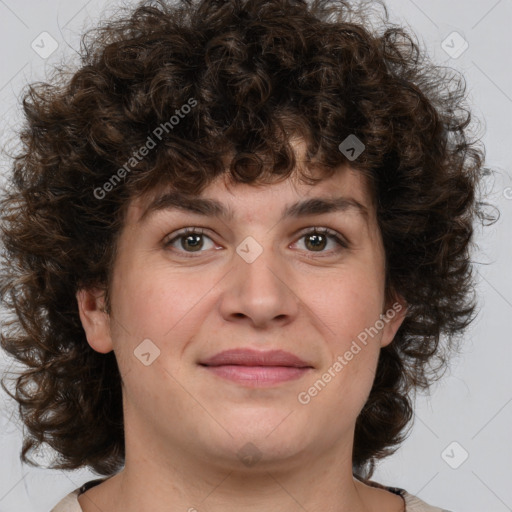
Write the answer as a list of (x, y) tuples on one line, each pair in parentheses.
[(258, 71)]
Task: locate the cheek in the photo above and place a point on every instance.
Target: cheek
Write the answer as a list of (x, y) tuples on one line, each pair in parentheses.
[(349, 307), (349, 313), (347, 302), (158, 303)]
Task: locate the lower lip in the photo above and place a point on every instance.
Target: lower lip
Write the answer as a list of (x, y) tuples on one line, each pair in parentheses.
[(258, 375)]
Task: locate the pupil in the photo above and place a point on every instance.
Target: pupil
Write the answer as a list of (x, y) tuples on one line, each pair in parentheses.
[(316, 237), (192, 245)]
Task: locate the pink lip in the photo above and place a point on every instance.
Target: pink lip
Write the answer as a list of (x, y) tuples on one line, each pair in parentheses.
[(247, 357), (256, 369)]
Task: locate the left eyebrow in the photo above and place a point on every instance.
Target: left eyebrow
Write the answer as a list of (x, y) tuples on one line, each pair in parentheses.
[(214, 208)]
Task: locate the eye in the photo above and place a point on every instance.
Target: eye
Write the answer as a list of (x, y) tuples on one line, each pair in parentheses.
[(191, 240), (316, 239)]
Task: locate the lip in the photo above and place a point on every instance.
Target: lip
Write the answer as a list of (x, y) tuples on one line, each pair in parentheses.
[(253, 368), (248, 357)]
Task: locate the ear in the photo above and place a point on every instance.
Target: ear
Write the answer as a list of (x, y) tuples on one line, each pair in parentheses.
[(95, 321), (393, 316)]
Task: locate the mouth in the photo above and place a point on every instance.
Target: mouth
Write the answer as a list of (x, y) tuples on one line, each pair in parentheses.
[(255, 368)]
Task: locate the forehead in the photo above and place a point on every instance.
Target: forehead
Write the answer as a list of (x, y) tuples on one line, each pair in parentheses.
[(346, 191), (347, 187)]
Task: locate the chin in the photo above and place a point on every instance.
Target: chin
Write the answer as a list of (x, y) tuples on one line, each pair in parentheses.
[(273, 433)]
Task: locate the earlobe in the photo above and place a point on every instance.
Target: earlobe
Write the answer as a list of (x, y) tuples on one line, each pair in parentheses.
[(393, 316), (95, 321)]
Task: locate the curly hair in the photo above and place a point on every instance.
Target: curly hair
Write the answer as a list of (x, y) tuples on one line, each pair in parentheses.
[(254, 73)]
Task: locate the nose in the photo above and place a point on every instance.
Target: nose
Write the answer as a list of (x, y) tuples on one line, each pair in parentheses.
[(259, 290)]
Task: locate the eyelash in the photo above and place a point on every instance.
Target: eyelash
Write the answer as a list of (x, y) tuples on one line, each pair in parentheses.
[(310, 231)]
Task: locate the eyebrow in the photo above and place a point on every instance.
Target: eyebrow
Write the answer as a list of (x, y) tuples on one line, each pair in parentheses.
[(213, 208)]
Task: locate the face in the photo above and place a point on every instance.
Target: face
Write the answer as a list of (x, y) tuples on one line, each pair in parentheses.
[(255, 280)]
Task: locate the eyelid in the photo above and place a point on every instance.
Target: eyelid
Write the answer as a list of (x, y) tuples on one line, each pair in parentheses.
[(324, 230), (336, 236), (183, 232)]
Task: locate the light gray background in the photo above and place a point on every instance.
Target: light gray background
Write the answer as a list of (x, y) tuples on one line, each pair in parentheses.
[(472, 404)]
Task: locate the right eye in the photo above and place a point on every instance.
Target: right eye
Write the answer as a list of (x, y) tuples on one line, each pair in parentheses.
[(189, 238)]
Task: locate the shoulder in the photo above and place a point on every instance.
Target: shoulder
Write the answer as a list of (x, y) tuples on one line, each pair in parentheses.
[(414, 504), (69, 503)]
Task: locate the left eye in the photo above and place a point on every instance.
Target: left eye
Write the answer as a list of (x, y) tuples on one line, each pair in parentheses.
[(192, 240), (317, 238)]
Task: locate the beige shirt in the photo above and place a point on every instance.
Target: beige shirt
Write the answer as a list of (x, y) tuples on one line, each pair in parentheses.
[(412, 504)]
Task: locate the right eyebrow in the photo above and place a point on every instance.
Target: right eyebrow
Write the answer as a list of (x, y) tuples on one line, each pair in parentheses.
[(191, 204)]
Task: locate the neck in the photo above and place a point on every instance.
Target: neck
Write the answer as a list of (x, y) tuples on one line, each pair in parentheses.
[(321, 484)]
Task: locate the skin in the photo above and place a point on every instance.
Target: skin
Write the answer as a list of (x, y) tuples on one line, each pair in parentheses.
[(184, 426)]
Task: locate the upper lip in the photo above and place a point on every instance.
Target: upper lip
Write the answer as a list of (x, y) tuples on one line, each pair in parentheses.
[(248, 357)]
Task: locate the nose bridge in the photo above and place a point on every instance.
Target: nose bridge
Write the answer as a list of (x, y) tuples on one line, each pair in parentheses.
[(258, 287), (259, 264), (265, 267)]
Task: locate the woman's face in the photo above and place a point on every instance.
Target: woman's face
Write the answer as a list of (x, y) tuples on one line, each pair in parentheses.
[(255, 279)]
